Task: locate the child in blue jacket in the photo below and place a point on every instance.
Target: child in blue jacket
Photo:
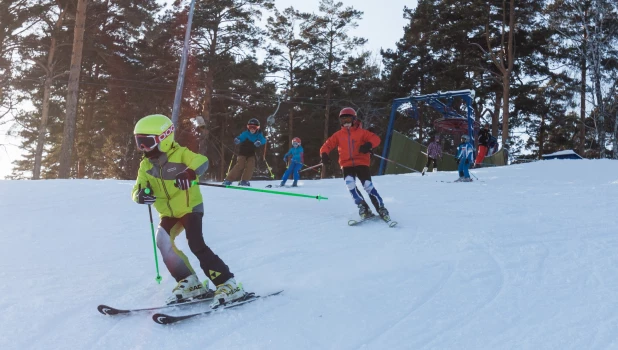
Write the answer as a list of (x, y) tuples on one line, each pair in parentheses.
[(248, 141), (465, 157), (296, 159)]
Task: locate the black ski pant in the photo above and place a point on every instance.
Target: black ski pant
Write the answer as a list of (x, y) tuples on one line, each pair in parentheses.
[(176, 262), (430, 160)]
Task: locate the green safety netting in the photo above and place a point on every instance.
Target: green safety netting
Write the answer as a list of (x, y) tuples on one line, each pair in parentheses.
[(412, 154)]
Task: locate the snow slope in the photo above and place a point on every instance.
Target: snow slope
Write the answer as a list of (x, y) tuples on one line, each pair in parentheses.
[(526, 259)]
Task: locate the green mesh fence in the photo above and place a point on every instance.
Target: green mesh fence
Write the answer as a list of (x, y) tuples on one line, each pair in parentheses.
[(412, 154)]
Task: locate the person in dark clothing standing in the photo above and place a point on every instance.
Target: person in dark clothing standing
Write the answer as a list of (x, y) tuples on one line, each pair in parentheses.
[(484, 137), (434, 151)]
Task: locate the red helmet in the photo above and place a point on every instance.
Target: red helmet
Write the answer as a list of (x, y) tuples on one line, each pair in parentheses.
[(347, 111), (296, 140), (347, 115)]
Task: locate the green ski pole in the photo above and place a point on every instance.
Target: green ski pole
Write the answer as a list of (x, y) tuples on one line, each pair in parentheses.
[(154, 243), (318, 197)]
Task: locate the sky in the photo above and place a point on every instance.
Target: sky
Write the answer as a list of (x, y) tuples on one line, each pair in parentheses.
[(382, 25), (382, 22), (522, 258)]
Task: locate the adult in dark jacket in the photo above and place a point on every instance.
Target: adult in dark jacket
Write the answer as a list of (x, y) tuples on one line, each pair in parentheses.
[(484, 136)]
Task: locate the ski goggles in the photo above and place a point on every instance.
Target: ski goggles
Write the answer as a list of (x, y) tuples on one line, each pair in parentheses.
[(346, 119), (295, 144), (253, 127), (147, 143)]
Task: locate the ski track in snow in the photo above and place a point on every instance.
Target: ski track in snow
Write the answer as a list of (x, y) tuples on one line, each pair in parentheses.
[(525, 259)]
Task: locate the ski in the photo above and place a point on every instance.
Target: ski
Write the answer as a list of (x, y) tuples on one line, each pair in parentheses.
[(353, 222), (389, 222), (279, 186), (248, 298), (450, 182), (112, 311)]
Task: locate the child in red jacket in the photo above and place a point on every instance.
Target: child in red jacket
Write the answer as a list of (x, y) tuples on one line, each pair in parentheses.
[(354, 145)]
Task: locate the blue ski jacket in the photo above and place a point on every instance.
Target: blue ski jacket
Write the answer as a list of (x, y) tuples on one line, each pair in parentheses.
[(247, 140), (465, 151), (296, 155)]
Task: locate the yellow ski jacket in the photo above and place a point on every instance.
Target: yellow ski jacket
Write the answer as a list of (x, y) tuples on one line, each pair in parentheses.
[(160, 176)]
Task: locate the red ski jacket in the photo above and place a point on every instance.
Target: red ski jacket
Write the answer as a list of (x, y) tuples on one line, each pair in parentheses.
[(348, 141)]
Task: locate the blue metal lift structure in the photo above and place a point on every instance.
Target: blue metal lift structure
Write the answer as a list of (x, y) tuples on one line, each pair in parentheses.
[(434, 100)]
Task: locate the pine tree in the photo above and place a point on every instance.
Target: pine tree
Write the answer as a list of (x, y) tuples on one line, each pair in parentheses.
[(288, 55)]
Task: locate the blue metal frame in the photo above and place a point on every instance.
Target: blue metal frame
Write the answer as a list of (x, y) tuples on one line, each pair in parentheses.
[(434, 101)]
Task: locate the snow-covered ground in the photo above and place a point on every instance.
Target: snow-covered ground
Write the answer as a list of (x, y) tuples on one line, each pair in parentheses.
[(525, 259)]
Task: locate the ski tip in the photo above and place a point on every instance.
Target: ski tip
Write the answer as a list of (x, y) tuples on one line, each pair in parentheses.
[(161, 318), (108, 310), (275, 293)]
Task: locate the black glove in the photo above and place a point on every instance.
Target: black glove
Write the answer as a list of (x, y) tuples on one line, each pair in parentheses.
[(145, 196), (457, 161), (366, 147), (325, 159), (183, 180)]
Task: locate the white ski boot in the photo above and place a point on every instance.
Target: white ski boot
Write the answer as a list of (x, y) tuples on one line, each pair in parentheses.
[(459, 180), (227, 292), (187, 289), (424, 170)]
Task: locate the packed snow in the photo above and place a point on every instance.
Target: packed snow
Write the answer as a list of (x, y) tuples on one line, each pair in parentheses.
[(525, 258)]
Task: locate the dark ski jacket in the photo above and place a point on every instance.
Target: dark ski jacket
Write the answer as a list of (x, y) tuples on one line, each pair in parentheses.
[(484, 136)]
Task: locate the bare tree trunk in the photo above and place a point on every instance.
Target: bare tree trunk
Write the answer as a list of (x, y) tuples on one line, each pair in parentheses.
[(326, 119), (542, 136), (291, 126), (49, 76), (327, 111), (510, 56), (292, 94), (495, 118), (82, 152), (599, 99), (582, 97), (40, 140), (206, 104), (503, 60), (68, 136), (615, 144), (506, 87), (221, 138)]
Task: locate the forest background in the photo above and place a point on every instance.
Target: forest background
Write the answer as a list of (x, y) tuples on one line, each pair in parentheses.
[(545, 75)]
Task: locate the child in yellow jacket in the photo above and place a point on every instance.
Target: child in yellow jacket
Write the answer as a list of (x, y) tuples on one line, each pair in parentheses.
[(165, 179)]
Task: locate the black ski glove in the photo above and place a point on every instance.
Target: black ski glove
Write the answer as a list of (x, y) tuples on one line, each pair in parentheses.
[(366, 147), (145, 196), (183, 180), (325, 159), (457, 161)]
